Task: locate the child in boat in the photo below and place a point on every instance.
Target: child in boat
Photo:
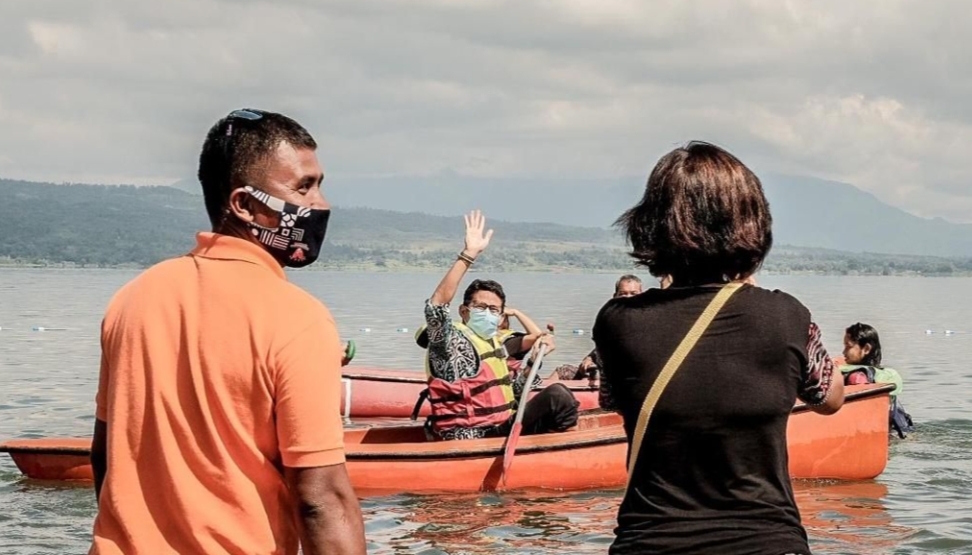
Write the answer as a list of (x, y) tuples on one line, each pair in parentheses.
[(862, 355)]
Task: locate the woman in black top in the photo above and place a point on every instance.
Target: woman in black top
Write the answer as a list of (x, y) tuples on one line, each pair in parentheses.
[(712, 473)]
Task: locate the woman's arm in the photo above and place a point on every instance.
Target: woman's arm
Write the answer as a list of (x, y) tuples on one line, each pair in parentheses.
[(818, 388)]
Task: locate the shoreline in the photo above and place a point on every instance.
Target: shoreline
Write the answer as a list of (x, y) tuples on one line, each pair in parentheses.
[(404, 269)]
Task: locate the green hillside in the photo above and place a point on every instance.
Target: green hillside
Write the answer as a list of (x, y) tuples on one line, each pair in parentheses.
[(105, 226)]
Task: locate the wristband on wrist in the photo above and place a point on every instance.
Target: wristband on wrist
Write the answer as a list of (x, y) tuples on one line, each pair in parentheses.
[(466, 258)]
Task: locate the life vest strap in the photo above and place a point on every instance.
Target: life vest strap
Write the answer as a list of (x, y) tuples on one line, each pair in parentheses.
[(495, 353), (477, 412), (423, 396), (481, 388)]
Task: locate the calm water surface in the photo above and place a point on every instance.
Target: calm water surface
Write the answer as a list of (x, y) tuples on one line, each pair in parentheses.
[(921, 504)]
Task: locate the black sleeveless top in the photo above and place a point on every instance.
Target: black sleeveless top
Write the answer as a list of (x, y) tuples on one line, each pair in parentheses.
[(712, 474)]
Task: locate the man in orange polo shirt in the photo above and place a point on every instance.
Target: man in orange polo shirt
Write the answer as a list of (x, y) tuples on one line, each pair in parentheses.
[(218, 425)]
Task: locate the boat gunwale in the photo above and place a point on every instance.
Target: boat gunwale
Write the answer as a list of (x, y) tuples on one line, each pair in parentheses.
[(575, 439), (13, 448), (418, 380), (871, 390)]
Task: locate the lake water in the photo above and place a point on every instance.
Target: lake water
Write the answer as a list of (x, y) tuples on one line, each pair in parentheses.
[(922, 503)]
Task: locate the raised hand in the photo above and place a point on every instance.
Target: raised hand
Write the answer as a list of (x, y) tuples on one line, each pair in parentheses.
[(476, 239)]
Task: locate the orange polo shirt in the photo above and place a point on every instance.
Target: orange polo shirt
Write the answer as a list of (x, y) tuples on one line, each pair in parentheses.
[(216, 372)]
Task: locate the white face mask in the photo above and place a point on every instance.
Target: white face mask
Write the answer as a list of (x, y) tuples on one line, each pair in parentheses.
[(483, 322)]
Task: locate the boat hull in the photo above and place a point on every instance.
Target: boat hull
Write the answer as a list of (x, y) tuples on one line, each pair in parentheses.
[(588, 457), (59, 459), (849, 445)]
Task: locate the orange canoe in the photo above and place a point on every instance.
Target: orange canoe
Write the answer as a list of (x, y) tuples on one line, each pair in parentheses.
[(382, 393), (850, 445)]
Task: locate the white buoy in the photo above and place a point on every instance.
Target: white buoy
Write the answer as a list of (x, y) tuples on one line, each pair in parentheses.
[(578, 332), (402, 330), (366, 330), (929, 332), (949, 332)]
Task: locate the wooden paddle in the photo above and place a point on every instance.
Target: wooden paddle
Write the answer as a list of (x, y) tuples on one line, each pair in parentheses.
[(510, 448)]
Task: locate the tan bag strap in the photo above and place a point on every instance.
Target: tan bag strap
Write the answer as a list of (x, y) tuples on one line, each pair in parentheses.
[(674, 362)]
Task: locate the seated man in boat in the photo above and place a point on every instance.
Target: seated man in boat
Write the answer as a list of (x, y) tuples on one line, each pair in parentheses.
[(627, 285), (466, 361), (517, 351), (862, 357)]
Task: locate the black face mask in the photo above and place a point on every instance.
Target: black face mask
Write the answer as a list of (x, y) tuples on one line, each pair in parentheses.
[(297, 240)]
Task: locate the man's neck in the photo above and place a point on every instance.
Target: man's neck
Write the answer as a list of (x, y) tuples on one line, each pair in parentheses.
[(240, 231)]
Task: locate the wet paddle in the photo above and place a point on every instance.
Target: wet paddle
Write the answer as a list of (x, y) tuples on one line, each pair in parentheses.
[(510, 449)]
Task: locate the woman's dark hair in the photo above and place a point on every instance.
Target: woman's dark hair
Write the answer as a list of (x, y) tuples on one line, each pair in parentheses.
[(865, 335), (703, 217), (483, 285), (237, 147)]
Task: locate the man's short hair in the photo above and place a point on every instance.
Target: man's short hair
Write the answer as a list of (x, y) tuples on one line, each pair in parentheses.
[(237, 148), (483, 285), (624, 279)]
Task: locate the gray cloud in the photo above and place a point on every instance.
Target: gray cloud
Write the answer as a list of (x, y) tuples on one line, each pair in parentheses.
[(873, 94)]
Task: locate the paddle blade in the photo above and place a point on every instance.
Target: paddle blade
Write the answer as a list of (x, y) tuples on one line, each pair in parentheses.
[(510, 448), (514, 436)]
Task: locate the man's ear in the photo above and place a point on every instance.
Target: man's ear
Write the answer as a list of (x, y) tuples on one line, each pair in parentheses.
[(463, 312), (240, 204)]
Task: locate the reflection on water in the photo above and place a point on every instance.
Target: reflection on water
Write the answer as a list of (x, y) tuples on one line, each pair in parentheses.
[(843, 517), (511, 523), (840, 518), (922, 503)]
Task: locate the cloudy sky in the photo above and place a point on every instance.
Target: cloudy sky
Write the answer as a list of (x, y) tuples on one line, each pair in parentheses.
[(874, 93)]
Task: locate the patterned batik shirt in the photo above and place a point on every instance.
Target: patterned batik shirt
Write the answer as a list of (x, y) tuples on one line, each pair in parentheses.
[(453, 357)]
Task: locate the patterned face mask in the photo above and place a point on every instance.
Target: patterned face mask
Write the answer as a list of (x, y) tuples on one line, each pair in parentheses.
[(297, 240)]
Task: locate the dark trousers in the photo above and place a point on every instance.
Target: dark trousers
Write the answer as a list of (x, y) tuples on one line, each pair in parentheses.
[(554, 409)]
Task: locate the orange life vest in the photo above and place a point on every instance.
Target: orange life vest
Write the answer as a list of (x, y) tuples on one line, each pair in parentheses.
[(483, 400)]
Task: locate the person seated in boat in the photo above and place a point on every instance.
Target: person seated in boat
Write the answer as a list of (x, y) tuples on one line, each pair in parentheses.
[(515, 360), (862, 364), (505, 334), (466, 361), (627, 285)]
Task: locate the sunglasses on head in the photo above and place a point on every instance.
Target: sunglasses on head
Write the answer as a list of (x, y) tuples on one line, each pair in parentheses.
[(246, 114)]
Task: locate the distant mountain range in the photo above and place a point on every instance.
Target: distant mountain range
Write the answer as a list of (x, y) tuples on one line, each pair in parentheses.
[(416, 223), (807, 212)]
